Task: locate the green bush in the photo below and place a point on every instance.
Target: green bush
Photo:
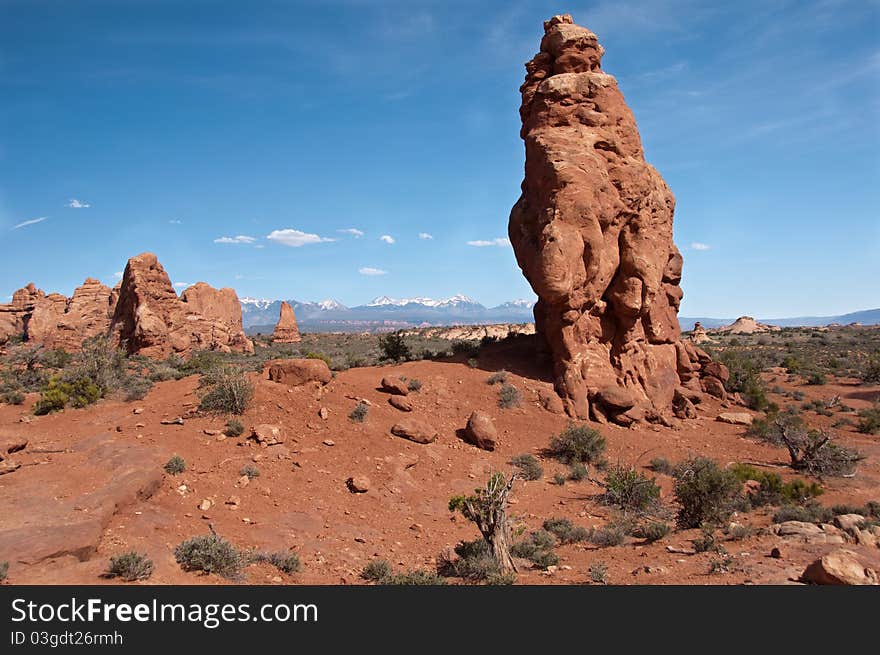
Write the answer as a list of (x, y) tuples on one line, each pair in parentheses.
[(599, 572), (745, 378), (228, 391), (359, 413), (286, 562), (250, 471), (473, 563), (707, 542), (210, 554), (652, 531), (130, 566), (380, 572), (611, 534), (12, 397), (565, 532), (394, 347), (661, 465), (871, 373), (869, 420), (629, 489), (773, 491), (234, 428), (537, 548), (175, 465), (578, 472), (810, 512), (816, 379), (706, 493), (376, 570), (136, 387), (508, 396), (578, 443), (529, 467)]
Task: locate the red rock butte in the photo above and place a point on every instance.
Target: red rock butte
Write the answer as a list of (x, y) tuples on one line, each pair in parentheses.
[(286, 330), (592, 233)]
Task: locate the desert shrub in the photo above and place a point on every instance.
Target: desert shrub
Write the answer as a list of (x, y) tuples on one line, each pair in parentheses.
[(52, 399), (706, 542), (130, 566), (250, 471), (210, 554), (871, 373), (499, 377), (359, 413), (738, 532), (652, 531), (416, 577), (578, 472), (201, 361), (4, 570), (871, 509), (816, 379), (102, 363), (487, 509), (286, 562), (376, 570), (869, 420), (745, 379), (12, 397), (175, 465), (529, 467), (810, 512), (468, 348), (577, 443), (228, 391), (629, 489), (705, 492), (537, 548), (811, 451), (136, 387), (611, 534), (394, 347), (508, 396), (773, 490), (559, 479), (599, 572), (475, 563), (792, 364), (661, 465), (565, 532), (317, 355), (234, 428), (414, 385), (473, 362), (720, 565)]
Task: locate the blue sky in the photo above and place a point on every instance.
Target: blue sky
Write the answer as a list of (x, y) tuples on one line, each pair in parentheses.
[(133, 125)]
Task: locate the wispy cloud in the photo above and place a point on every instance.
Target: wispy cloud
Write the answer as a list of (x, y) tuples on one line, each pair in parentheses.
[(73, 203), (118, 275), (182, 285), (425, 236), (241, 238), (369, 270), (387, 238), (175, 221), (32, 221), (482, 243), (353, 231), (295, 238), (696, 245)]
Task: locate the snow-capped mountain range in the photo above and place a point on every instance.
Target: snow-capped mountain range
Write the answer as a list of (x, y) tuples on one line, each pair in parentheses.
[(260, 314)]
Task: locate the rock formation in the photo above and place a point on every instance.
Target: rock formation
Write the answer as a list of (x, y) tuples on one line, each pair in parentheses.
[(746, 325), (592, 233), (57, 322), (151, 320), (286, 330), (14, 315)]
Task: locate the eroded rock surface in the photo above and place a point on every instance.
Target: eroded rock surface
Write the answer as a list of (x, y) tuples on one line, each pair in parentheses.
[(592, 233), (286, 330)]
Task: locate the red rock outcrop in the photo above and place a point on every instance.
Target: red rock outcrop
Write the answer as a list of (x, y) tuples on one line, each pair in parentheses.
[(592, 233), (151, 320), (14, 315), (286, 330), (59, 322)]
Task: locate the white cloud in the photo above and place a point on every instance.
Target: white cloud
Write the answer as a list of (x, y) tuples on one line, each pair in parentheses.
[(295, 238), (386, 238), (425, 236), (696, 245), (175, 221), (482, 243), (239, 239), (369, 270), (32, 221), (118, 275), (182, 285), (73, 203), (353, 231)]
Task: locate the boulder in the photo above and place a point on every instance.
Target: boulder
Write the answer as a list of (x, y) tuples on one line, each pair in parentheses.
[(714, 387), (592, 233), (415, 430), (286, 330), (551, 401), (267, 434), (480, 431), (401, 403), (296, 372), (839, 567), (848, 521), (394, 385), (735, 418), (717, 370)]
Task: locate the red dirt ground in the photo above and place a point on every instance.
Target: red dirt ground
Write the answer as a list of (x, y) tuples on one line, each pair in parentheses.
[(300, 500)]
